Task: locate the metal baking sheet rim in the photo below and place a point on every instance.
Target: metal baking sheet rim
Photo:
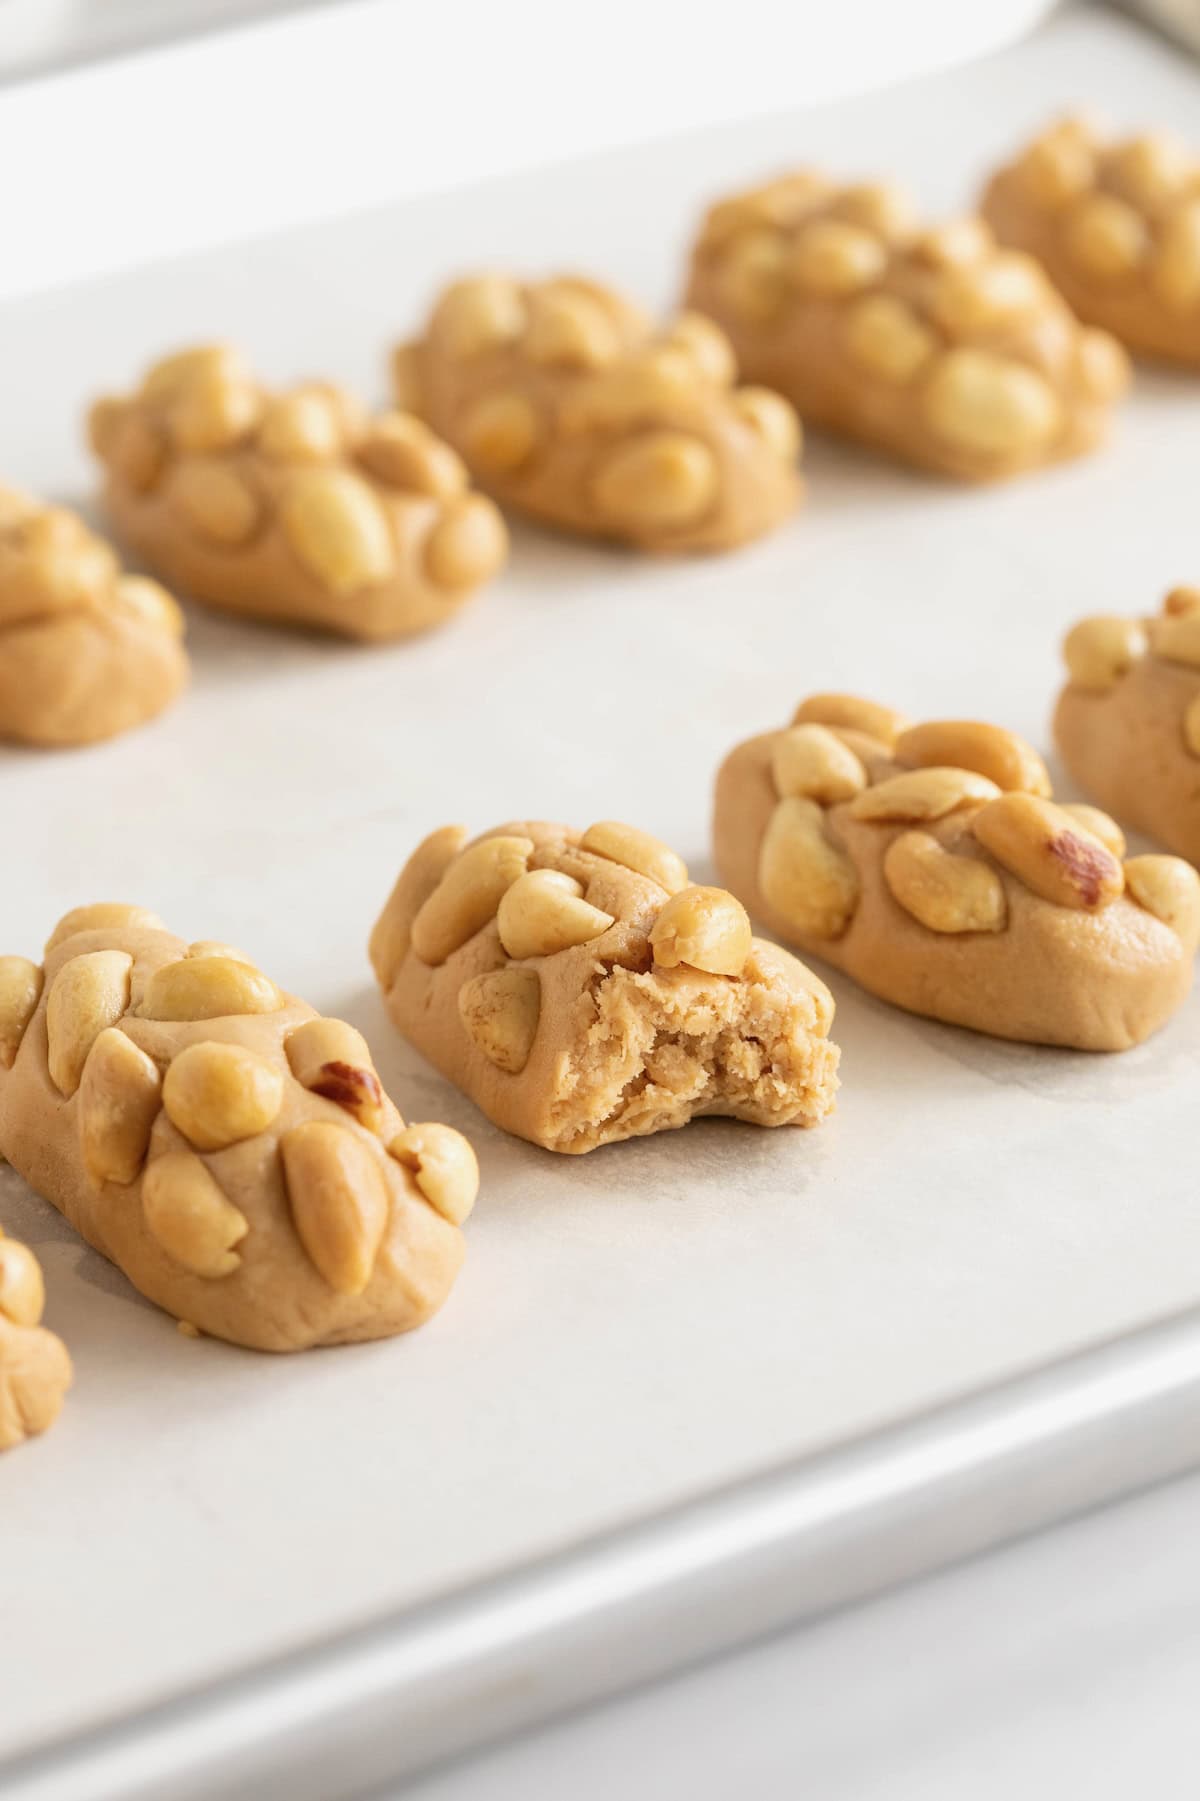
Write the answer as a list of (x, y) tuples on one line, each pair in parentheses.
[(389, 1700)]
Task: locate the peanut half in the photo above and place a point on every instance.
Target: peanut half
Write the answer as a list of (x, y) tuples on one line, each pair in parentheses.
[(706, 928), (945, 892), (805, 878), (1049, 851)]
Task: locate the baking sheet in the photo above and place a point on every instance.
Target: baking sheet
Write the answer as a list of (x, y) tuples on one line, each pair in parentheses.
[(638, 1325)]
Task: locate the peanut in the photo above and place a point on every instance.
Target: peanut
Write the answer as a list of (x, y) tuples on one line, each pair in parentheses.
[(337, 528), (706, 345), (831, 258), (570, 330), (500, 1011), (884, 336), (443, 1165), (1175, 271), (467, 896), (922, 794), (1177, 639), (851, 711), (103, 916), (402, 452), (1106, 236), (1100, 650), (22, 1291), (201, 362), (467, 544), (808, 760), (944, 892), (1048, 851), (1170, 889), (1180, 601), (1098, 824), (1102, 364), (20, 992), (302, 427), (1057, 169), (213, 947), (968, 744), (119, 1097), (662, 478), (213, 411), (339, 1201), (192, 1220), (214, 499), (218, 1094), (88, 994), (638, 851), (1148, 170), (773, 418), (1006, 289), (706, 928), (953, 245), (415, 883), (198, 988), (331, 1059), (149, 602), (752, 275), (1191, 728), (990, 404), (805, 878), (544, 912), (501, 432), (480, 314), (878, 207)]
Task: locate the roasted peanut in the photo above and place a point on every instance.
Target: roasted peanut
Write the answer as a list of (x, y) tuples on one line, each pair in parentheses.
[(707, 346), (190, 1217), (467, 544), (1098, 824), (945, 892), (331, 1059), (1100, 650), (804, 877), (706, 928), (443, 1165), (217, 1094), (149, 601), (213, 947), (544, 912), (119, 1097), (922, 794), (884, 336), (969, 744), (215, 500), (1177, 639), (337, 529), (1180, 601), (1057, 168), (302, 427), (1170, 889), (500, 1011), (88, 994), (404, 453), (480, 314), (1148, 170), (200, 362), (954, 245), (773, 418), (415, 883), (638, 851), (467, 896), (990, 404), (808, 760), (753, 275), (1106, 236), (852, 712), (212, 411), (103, 916), (832, 258), (570, 330), (339, 1201), (1048, 851), (501, 431), (878, 206), (663, 478), (1102, 364), (1002, 291), (22, 1291), (20, 992), (198, 988)]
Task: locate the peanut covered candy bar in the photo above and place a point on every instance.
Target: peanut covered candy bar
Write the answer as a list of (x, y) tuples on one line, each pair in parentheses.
[(85, 650), (1128, 719), (35, 1370), (568, 406), (928, 343), (226, 1147), (581, 991), (1116, 226), (292, 506), (930, 863)]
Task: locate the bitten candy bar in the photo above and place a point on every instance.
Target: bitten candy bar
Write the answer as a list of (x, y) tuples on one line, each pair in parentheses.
[(232, 1152), (580, 991), (294, 506), (929, 862), (567, 406), (925, 342)]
